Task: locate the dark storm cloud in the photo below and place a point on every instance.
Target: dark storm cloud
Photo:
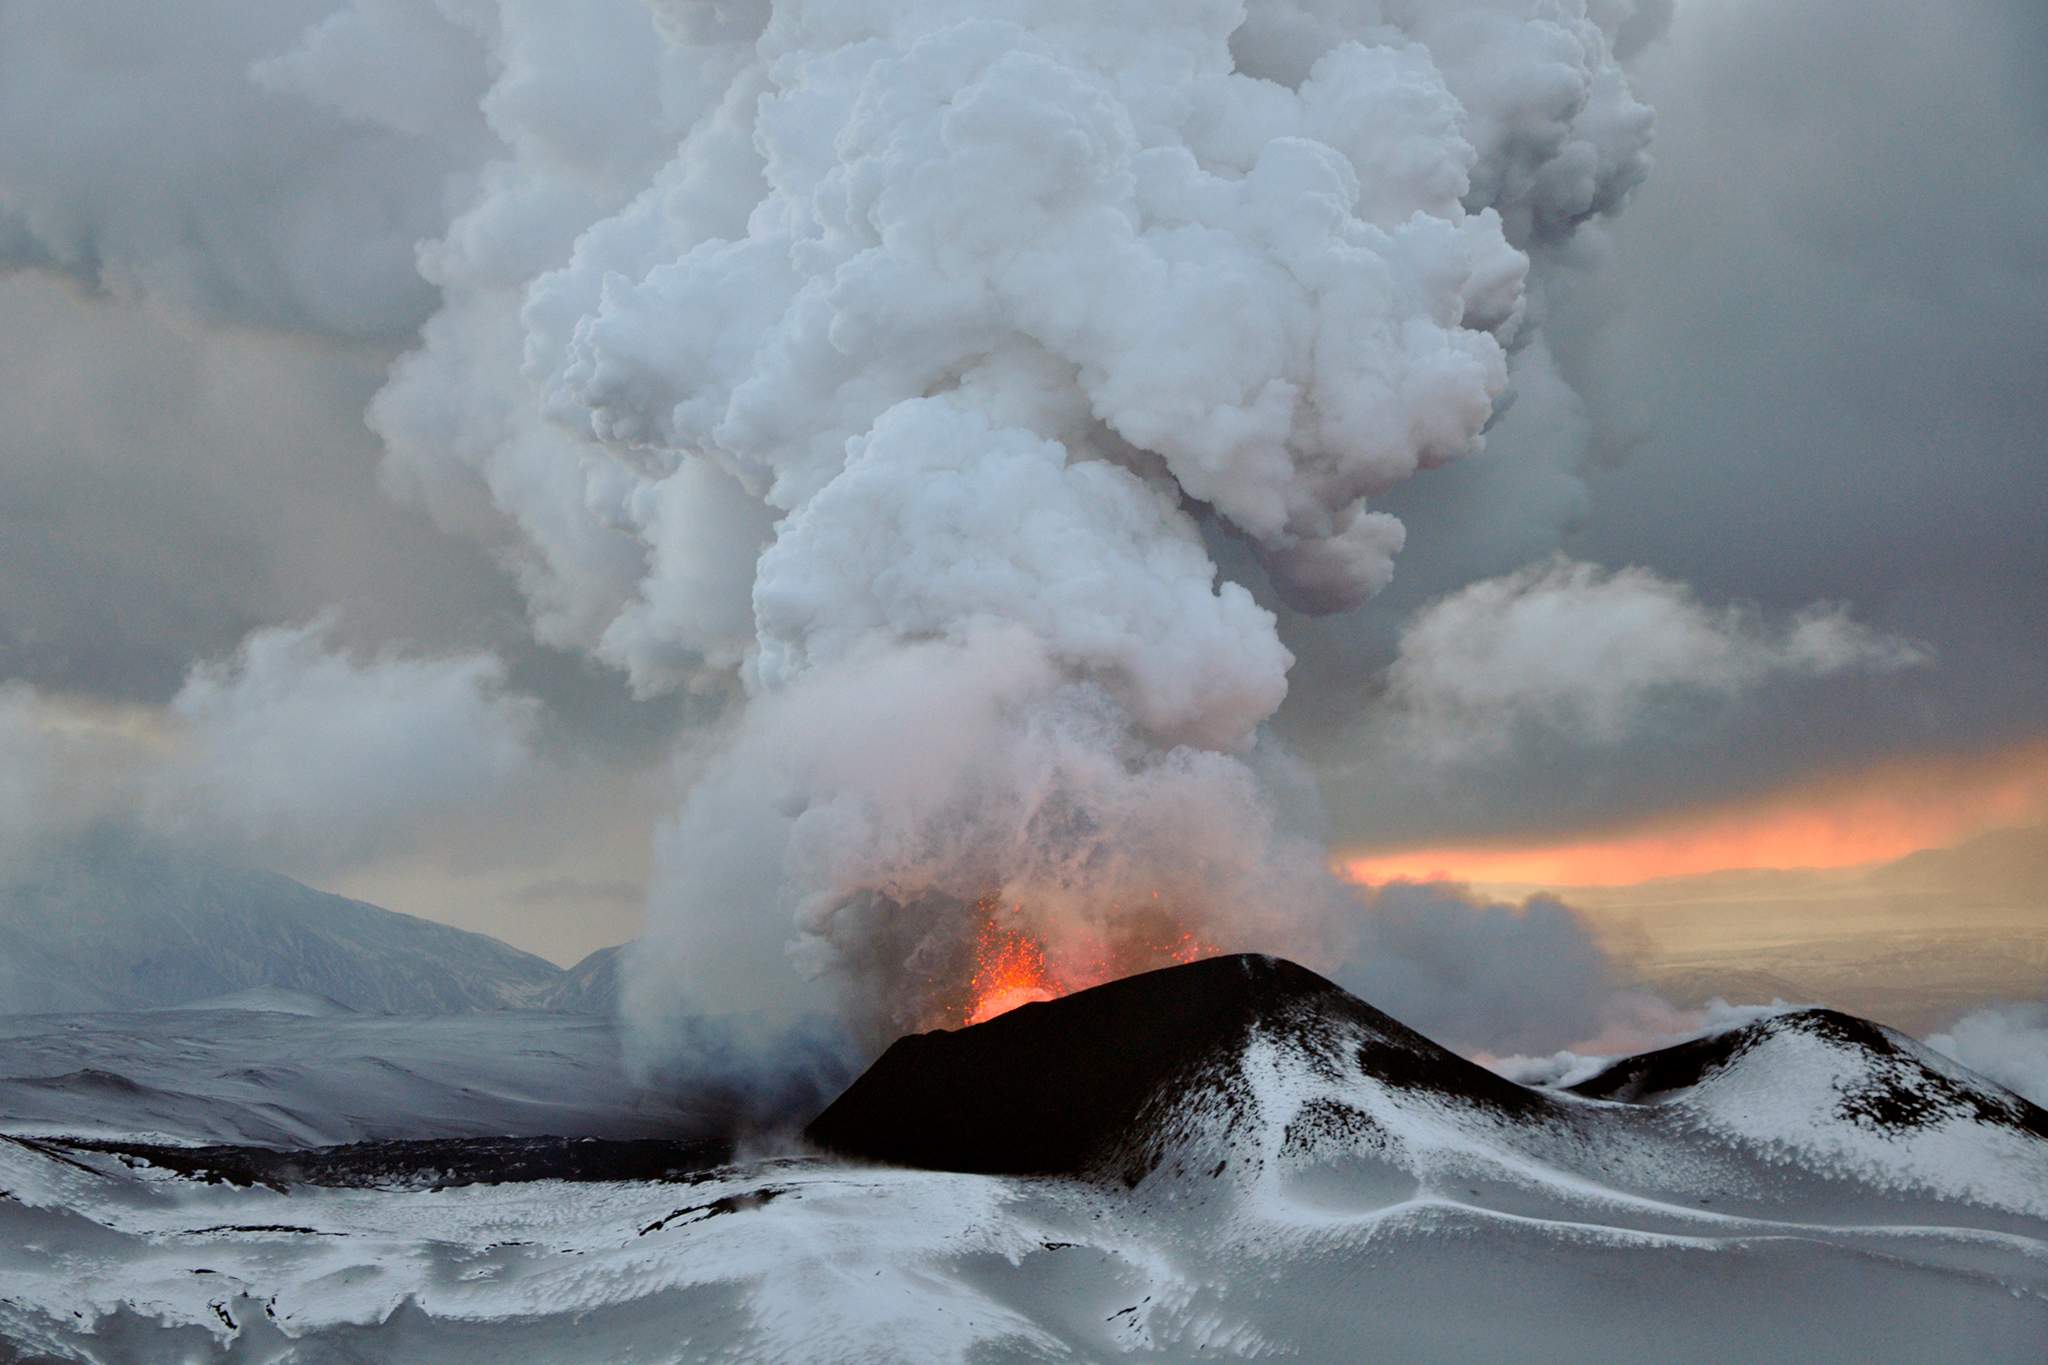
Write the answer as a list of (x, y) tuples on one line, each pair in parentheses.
[(1481, 975), (1802, 371), (1830, 321), (170, 486), (1811, 366), (1832, 326)]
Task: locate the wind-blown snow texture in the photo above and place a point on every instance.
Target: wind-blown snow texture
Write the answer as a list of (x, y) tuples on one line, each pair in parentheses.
[(250, 1072), (1301, 1177)]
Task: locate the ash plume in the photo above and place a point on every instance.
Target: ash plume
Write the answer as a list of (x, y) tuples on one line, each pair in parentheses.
[(887, 364)]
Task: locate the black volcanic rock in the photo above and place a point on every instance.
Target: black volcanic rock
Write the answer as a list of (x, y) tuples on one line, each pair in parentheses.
[(432, 1163), (1891, 1085), (1086, 1084)]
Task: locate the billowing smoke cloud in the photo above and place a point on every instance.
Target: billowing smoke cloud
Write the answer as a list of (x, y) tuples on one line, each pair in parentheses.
[(2008, 1043), (891, 361), (898, 371), (1567, 649), (292, 751), (298, 750), (1482, 975), (888, 368), (884, 796), (1528, 988)]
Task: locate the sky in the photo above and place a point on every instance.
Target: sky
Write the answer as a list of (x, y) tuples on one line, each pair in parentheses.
[(1750, 571), (1810, 358)]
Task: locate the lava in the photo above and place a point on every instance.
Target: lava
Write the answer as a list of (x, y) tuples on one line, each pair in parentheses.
[(1011, 967), (1010, 970)]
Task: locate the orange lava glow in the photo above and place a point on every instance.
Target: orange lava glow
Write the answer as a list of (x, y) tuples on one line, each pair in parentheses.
[(1011, 967), (1009, 971), (1879, 813)]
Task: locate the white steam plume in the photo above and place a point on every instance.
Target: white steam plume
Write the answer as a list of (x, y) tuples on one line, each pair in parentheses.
[(893, 354), (2008, 1043)]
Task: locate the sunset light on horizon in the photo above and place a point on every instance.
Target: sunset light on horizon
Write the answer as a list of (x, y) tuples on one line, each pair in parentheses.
[(1870, 815)]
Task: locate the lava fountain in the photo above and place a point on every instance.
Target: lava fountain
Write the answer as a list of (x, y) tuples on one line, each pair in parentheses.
[(1009, 970), (1011, 967)]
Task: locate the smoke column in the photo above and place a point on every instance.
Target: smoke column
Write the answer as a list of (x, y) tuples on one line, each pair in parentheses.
[(889, 364)]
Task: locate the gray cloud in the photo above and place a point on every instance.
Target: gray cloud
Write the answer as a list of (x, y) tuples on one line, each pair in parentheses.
[(1586, 655), (168, 486), (138, 155), (1487, 976), (1817, 355), (2008, 1043), (296, 751), (1804, 366)]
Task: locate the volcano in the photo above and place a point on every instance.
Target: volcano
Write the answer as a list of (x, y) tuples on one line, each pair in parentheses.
[(1091, 1083), (1228, 1159), (1255, 1073)]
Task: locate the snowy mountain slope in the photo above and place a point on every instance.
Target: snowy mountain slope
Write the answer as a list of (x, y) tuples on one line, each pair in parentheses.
[(260, 1076), (1832, 1092), (1298, 1177), (589, 987), (819, 1261), (114, 922)]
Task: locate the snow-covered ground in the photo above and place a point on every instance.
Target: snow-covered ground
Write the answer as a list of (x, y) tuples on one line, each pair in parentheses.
[(810, 1260), (277, 1068), (1807, 1190)]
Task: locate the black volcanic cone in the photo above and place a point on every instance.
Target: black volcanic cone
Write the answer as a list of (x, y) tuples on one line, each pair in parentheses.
[(1069, 1086), (1895, 1089)]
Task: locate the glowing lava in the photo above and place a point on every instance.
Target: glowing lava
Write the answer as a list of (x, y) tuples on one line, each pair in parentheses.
[(1011, 967), (1009, 970)]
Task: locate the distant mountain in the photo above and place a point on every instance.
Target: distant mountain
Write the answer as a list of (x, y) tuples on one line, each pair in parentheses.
[(112, 921), (589, 987)]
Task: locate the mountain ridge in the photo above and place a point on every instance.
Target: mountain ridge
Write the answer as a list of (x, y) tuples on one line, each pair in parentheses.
[(112, 921)]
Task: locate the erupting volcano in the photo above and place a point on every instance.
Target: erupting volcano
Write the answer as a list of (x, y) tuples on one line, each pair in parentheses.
[(1012, 968), (1009, 970)]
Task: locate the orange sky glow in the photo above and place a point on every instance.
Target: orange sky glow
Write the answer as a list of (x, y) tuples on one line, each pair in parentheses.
[(1878, 813)]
